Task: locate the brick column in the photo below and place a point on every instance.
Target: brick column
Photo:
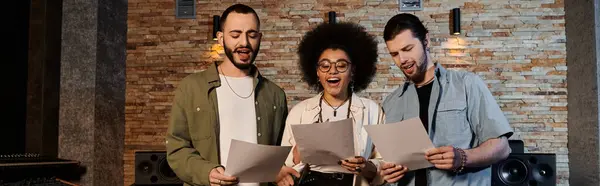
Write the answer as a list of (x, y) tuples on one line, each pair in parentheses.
[(583, 59), (92, 88)]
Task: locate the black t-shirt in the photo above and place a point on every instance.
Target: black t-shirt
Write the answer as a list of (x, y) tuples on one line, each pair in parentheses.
[(424, 94)]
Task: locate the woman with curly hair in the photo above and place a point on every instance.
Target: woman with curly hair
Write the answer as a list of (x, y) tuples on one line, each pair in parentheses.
[(337, 60)]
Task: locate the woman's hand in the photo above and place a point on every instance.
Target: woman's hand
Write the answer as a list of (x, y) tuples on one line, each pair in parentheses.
[(392, 172), (354, 165)]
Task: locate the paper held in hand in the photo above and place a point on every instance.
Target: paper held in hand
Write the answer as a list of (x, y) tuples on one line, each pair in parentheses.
[(403, 143), (325, 143), (255, 163)]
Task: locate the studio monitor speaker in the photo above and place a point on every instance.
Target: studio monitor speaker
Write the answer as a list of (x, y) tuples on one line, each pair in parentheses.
[(525, 169), (152, 168), (516, 146)]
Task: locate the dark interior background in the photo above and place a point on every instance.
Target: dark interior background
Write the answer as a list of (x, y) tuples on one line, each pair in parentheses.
[(12, 129), (31, 77)]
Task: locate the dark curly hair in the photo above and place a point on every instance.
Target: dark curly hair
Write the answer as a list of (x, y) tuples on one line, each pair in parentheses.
[(360, 46)]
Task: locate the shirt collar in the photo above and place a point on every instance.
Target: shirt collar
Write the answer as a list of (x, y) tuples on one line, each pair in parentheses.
[(440, 75), (313, 103)]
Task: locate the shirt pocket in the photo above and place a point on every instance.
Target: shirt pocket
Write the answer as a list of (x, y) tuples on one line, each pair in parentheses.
[(451, 118), (201, 127)]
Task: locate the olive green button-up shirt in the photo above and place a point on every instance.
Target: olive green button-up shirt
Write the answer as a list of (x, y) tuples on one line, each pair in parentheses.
[(192, 138)]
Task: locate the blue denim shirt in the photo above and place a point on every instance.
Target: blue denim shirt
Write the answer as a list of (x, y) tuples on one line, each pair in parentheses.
[(462, 113)]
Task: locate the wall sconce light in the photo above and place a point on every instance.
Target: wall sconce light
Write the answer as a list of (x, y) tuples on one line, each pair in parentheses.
[(332, 17), (455, 16), (216, 26)]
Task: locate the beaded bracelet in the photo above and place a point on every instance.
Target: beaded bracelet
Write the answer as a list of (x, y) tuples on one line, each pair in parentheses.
[(463, 160)]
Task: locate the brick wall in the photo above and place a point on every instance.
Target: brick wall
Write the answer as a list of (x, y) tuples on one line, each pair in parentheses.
[(518, 47)]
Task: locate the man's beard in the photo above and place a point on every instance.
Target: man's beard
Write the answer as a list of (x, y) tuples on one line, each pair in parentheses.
[(421, 70), (241, 66)]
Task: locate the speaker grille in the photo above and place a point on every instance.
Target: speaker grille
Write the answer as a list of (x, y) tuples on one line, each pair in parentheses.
[(525, 169), (145, 168), (513, 171), (543, 173), (165, 172), (152, 168)]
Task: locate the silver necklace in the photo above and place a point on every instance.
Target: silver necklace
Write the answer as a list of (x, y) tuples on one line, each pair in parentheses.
[(225, 77)]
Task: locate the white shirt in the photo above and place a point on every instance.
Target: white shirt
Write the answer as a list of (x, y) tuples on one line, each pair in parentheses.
[(237, 114), (327, 113), (363, 111)]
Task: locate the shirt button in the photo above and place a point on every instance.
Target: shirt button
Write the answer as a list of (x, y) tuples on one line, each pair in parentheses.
[(259, 134), (258, 118), (198, 109), (274, 107), (256, 102)]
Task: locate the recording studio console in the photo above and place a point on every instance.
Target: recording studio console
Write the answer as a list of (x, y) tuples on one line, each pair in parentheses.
[(33, 169), (50, 181)]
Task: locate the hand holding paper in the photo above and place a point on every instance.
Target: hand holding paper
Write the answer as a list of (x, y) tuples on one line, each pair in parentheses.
[(403, 143), (325, 143), (217, 176), (255, 163), (391, 172), (446, 158)]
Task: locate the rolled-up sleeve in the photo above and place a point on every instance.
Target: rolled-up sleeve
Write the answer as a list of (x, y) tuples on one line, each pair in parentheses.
[(485, 114)]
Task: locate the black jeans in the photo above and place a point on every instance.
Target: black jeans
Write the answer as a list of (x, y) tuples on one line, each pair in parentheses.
[(313, 178)]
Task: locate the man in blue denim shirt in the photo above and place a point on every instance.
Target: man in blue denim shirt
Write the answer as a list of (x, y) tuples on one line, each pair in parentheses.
[(463, 120)]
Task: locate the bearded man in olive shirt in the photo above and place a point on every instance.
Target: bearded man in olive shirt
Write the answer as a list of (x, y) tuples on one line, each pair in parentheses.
[(227, 101)]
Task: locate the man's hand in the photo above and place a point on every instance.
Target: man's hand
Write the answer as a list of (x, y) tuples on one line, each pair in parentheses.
[(392, 172), (284, 178), (354, 165), (217, 177), (444, 158)]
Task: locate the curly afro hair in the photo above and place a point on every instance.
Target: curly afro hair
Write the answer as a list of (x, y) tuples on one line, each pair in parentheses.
[(360, 46)]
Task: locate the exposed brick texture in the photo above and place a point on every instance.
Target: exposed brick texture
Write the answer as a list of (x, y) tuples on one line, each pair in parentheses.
[(517, 47)]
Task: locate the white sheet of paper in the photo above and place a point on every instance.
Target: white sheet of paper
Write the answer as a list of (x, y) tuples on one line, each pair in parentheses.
[(325, 143), (255, 163), (403, 143)]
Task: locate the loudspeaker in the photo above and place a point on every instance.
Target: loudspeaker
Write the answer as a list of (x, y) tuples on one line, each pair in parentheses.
[(152, 168), (516, 146), (525, 169)]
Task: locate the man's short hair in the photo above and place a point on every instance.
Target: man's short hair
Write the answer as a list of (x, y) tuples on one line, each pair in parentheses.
[(237, 8), (405, 21)]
